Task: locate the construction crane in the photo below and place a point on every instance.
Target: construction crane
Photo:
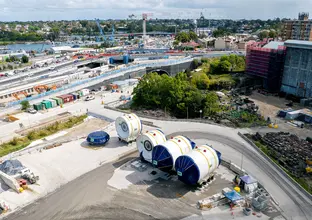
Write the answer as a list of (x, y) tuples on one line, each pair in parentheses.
[(97, 21), (145, 17), (111, 37)]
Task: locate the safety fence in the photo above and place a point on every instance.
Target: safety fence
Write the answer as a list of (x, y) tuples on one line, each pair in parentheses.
[(95, 79)]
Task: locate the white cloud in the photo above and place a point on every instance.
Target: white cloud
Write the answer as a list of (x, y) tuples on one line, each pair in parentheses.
[(104, 9)]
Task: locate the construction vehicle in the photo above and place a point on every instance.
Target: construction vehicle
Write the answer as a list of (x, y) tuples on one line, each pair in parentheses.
[(44, 88), (10, 118), (16, 95)]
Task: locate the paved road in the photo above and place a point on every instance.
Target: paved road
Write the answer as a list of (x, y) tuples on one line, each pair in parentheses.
[(303, 209), (65, 203), (87, 197)]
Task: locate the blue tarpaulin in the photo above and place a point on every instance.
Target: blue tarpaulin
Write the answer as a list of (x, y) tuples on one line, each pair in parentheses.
[(233, 196), (248, 179)]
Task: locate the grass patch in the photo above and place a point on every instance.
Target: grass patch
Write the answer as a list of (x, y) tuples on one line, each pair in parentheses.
[(19, 143), (301, 181)]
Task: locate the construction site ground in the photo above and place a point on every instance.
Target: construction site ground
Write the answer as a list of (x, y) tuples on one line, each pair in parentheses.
[(122, 192), (59, 165), (269, 107)]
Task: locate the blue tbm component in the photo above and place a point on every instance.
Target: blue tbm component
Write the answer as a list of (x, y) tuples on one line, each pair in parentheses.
[(98, 138), (187, 170)]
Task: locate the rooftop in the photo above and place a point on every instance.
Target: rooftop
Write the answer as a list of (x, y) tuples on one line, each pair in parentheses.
[(274, 45), (299, 44)]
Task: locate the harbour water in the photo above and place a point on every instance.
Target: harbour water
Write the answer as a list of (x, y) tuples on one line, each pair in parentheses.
[(29, 47)]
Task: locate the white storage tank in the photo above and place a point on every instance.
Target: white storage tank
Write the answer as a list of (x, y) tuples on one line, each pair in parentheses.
[(147, 141), (164, 155), (197, 166), (128, 127)]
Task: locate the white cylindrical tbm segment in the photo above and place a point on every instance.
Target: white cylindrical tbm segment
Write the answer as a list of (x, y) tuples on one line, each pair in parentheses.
[(147, 141), (164, 155), (128, 127), (197, 165)]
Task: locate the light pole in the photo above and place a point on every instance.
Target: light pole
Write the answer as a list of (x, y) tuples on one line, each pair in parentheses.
[(242, 159), (200, 113), (187, 116)]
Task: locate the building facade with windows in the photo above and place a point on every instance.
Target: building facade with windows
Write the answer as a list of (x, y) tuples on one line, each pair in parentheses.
[(297, 75), (300, 29)]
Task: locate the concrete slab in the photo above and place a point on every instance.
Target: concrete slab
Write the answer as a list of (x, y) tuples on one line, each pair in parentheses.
[(60, 165)]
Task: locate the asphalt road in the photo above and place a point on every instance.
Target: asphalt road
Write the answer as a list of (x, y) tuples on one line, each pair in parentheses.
[(304, 209), (88, 197)]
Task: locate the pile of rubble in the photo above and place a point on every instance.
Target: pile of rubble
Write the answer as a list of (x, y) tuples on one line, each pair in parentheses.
[(289, 150)]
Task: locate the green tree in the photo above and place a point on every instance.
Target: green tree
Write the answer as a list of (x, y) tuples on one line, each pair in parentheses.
[(183, 37), (211, 105), (224, 66), (25, 59), (25, 105), (200, 80), (196, 63), (263, 34), (192, 35), (54, 34), (215, 67), (272, 34)]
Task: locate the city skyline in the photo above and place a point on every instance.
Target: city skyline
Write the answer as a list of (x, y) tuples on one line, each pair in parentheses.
[(31, 10)]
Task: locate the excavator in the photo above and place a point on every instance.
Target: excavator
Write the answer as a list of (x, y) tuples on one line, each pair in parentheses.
[(43, 88), (17, 93)]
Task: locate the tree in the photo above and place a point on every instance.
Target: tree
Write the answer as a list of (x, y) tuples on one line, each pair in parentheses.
[(200, 80), (25, 105), (272, 34), (183, 37), (25, 59), (54, 34), (211, 104), (192, 35), (224, 66), (195, 61), (263, 34)]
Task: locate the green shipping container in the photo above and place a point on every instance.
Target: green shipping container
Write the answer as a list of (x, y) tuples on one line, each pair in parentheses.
[(38, 106), (80, 94), (58, 100), (47, 104)]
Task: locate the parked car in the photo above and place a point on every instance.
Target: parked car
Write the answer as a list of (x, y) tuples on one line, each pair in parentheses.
[(31, 111), (89, 98), (52, 68)]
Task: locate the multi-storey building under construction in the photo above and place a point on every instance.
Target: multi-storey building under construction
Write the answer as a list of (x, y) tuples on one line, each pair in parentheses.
[(266, 63)]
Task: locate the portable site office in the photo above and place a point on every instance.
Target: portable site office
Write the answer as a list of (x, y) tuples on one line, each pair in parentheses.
[(66, 98), (53, 102), (47, 104), (38, 106), (59, 101)]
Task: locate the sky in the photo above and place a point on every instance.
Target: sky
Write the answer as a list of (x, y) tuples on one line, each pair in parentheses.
[(27, 10)]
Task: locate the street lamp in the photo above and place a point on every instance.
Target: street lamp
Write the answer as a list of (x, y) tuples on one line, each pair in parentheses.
[(200, 113)]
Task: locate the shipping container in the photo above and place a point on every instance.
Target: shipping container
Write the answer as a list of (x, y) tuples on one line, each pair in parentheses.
[(85, 92), (67, 98), (80, 93), (38, 106), (76, 96), (47, 104), (59, 101), (53, 102)]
